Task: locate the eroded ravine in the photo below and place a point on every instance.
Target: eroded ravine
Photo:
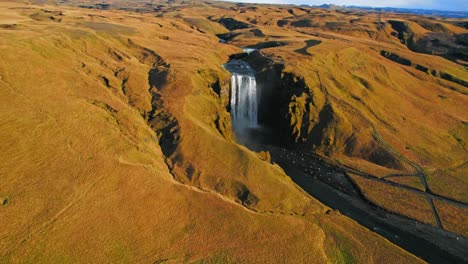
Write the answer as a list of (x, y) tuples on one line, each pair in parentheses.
[(317, 176)]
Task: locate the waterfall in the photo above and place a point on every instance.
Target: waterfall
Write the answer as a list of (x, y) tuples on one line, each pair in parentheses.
[(243, 95), (244, 100)]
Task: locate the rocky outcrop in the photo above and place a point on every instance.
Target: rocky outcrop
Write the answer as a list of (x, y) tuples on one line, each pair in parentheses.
[(236, 190), (438, 40), (404, 33), (232, 24), (245, 33), (273, 100), (396, 58), (156, 115), (451, 78), (267, 44), (299, 118), (434, 72)]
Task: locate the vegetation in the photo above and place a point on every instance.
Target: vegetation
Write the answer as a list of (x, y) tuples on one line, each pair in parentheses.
[(116, 143)]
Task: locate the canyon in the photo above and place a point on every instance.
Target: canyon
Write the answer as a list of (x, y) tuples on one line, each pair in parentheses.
[(215, 132)]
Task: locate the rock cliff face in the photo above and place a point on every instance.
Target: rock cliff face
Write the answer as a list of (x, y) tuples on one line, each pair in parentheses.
[(431, 37), (303, 117), (363, 103)]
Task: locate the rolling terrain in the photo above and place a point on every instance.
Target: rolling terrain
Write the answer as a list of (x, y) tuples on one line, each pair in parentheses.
[(117, 144)]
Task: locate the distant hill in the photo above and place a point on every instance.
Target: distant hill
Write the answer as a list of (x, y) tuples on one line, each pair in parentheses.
[(425, 12)]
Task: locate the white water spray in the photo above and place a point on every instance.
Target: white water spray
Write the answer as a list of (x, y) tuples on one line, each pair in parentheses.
[(243, 95), (244, 100)]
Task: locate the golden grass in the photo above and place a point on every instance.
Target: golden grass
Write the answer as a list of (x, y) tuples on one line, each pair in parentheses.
[(344, 241), (453, 218), (450, 182), (86, 179), (396, 200), (420, 117), (412, 181)]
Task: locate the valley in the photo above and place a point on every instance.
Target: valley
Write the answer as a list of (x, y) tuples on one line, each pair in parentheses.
[(218, 132)]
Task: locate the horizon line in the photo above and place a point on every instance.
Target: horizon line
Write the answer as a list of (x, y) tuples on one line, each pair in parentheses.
[(347, 6)]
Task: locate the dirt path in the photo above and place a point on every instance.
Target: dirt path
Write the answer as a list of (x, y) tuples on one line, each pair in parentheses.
[(329, 184), (422, 178)]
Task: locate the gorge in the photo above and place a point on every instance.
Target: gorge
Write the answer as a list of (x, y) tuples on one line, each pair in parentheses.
[(174, 131), (329, 182)]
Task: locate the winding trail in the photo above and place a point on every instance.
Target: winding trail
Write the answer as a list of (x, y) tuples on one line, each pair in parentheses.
[(399, 175), (338, 167), (422, 178), (327, 181)]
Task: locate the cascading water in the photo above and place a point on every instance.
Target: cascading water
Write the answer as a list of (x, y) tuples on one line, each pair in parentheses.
[(243, 95), (244, 100)]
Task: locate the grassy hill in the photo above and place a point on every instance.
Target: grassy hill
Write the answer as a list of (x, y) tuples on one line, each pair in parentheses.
[(116, 145)]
